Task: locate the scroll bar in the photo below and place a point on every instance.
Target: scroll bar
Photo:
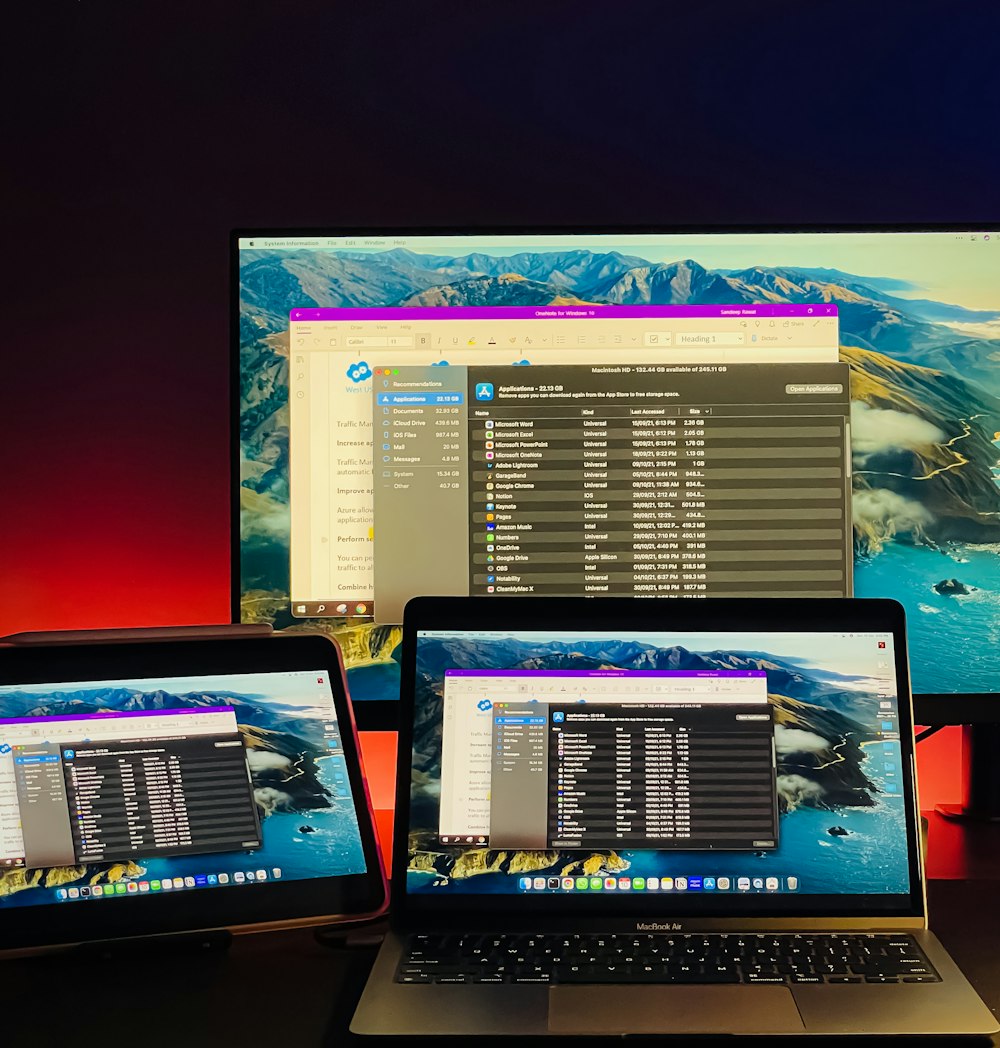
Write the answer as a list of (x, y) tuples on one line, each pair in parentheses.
[(848, 515)]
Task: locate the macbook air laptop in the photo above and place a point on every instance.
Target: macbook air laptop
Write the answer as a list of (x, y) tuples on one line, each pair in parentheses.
[(628, 816)]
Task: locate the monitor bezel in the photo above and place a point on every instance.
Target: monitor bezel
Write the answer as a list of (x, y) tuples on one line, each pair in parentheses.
[(929, 708)]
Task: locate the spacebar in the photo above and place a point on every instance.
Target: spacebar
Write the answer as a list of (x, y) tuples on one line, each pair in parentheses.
[(627, 974)]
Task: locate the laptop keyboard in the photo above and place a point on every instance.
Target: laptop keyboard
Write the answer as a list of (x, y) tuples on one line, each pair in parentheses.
[(694, 958)]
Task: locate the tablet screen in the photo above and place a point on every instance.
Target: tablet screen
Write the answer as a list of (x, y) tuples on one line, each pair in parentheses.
[(167, 785)]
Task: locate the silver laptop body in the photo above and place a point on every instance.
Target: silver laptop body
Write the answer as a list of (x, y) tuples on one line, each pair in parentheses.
[(773, 798)]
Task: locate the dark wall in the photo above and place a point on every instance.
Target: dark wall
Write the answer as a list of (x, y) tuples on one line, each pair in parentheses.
[(140, 136)]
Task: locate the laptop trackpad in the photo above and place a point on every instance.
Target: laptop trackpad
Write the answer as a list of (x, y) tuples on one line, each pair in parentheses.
[(672, 1009)]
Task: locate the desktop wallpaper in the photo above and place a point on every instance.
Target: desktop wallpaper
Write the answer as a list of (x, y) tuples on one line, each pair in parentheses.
[(308, 820), (842, 810), (920, 329)]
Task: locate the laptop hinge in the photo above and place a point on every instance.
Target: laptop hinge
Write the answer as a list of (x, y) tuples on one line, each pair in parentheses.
[(459, 923)]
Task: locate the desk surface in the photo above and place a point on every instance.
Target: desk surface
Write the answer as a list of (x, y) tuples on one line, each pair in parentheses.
[(285, 988)]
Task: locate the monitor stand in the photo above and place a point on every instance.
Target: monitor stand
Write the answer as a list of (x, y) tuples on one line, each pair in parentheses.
[(980, 775)]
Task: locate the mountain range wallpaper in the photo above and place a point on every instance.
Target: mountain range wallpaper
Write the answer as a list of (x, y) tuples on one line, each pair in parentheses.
[(925, 388), (840, 799), (307, 816)]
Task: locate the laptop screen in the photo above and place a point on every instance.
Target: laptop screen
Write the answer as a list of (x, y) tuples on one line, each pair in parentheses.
[(163, 785), (613, 764)]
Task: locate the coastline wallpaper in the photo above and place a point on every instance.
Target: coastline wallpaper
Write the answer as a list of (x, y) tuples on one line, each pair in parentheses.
[(842, 809), (922, 339), (307, 815)]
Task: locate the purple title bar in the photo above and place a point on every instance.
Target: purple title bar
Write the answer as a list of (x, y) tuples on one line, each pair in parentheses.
[(116, 715), (501, 313), (726, 674)]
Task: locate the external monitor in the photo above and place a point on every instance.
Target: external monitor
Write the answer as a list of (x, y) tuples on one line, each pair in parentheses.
[(666, 328)]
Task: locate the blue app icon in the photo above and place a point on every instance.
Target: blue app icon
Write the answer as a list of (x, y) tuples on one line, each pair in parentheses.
[(484, 391), (69, 755), (524, 884), (695, 884), (889, 787), (213, 878), (887, 725), (558, 716), (359, 371), (709, 883), (491, 578), (484, 705)]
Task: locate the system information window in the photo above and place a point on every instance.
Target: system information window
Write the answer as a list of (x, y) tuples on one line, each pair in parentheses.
[(337, 444), (110, 786), (657, 480), (603, 759)]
